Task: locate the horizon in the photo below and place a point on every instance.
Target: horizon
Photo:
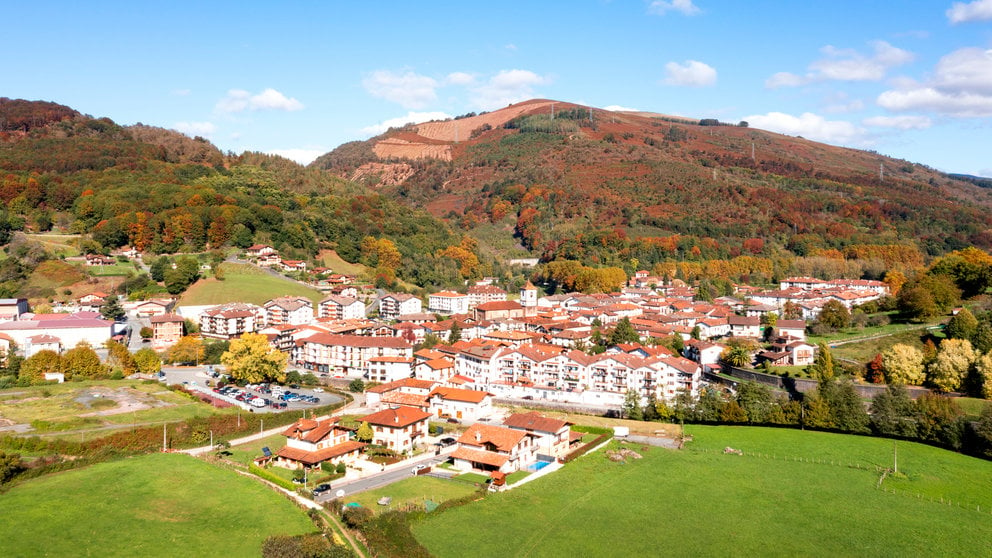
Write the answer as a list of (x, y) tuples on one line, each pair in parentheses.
[(299, 79)]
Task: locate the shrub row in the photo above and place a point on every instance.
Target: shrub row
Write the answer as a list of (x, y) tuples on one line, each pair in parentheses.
[(588, 447), (273, 478)]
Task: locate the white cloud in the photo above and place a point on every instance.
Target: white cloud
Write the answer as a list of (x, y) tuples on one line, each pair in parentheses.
[(301, 156), (195, 128), (839, 102), (987, 173), (511, 47), (618, 108), (181, 92), (239, 100), (410, 118), (846, 65), (899, 122), (786, 79), (692, 73), (810, 126), (978, 10), (685, 7), (961, 85), (409, 89), (506, 87), (460, 78)]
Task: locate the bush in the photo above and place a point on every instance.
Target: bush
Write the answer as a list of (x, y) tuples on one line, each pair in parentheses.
[(274, 479), (312, 545), (356, 386), (341, 468), (356, 517)]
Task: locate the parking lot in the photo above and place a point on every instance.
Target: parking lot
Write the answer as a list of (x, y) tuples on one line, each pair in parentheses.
[(259, 399)]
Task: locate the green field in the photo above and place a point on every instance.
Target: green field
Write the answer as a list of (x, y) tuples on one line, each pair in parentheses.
[(155, 505), (245, 283), (700, 501), (75, 406), (413, 491)]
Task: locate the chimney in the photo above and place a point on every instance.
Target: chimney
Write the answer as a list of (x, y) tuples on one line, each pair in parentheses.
[(396, 419), (478, 436)]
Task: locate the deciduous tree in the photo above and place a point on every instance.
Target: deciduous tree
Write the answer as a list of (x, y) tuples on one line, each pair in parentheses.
[(903, 364), (253, 360), (962, 325), (187, 349), (948, 370)]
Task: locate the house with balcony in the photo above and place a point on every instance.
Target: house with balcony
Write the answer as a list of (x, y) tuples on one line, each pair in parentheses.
[(399, 429), (487, 448), (311, 442)]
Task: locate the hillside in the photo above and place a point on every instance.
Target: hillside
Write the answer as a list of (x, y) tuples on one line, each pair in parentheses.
[(609, 187), (163, 192)]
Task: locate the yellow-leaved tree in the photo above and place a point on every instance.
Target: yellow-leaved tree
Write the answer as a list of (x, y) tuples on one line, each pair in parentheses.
[(253, 360)]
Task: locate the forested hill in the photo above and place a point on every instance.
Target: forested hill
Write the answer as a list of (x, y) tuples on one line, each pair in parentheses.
[(163, 192), (613, 187)]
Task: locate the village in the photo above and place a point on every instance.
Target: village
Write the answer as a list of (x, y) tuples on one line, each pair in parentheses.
[(453, 360)]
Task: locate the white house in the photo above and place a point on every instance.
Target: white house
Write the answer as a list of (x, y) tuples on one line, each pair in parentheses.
[(311, 442), (388, 368), (398, 429), (341, 308), (552, 435), (393, 305), (486, 447), (448, 302), (462, 404), (293, 310), (229, 321)]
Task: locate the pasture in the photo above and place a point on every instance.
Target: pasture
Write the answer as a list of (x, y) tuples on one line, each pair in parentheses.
[(154, 505), (791, 493), (245, 283)]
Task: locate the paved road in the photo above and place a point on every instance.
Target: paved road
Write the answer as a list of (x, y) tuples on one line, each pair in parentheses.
[(392, 474)]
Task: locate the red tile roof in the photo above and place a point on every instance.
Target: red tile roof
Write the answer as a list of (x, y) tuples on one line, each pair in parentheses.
[(504, 439), (534, 421), (400, 417), (480, 456), (315, 457), (456, 394)]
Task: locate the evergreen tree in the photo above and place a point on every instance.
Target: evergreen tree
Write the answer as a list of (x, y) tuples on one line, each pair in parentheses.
[(455, 334), (624, 332), (112, 309), (756, 400), (823, 365)]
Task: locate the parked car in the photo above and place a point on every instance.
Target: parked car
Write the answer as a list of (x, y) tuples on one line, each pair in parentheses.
[(418, 468), (445, 442), (318, 390), (454, 421), (320, 489)]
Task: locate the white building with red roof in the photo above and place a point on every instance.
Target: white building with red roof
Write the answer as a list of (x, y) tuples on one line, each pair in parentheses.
[(229, 321), (346, 355), (399, 429), (311, 442), (487, 448), (462, 404)]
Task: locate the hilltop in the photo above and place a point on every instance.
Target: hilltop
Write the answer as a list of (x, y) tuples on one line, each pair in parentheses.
[(606, 187), (163, 193)]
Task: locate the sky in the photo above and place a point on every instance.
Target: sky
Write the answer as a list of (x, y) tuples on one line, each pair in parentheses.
[(908, 79)]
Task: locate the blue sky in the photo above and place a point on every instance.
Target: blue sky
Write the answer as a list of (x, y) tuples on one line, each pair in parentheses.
[(907, 79)]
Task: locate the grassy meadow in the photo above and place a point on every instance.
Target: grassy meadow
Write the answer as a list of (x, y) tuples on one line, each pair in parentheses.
[(245, 283), (72, 406), (154, 505), (791, 493)]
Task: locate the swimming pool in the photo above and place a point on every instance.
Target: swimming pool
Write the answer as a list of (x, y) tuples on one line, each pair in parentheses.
[(535, 467)]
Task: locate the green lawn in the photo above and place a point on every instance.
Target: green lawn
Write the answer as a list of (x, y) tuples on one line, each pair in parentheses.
[(116, 269), (864, 350), (701, 502), (155, 505), (245, 283), (414, 490)]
